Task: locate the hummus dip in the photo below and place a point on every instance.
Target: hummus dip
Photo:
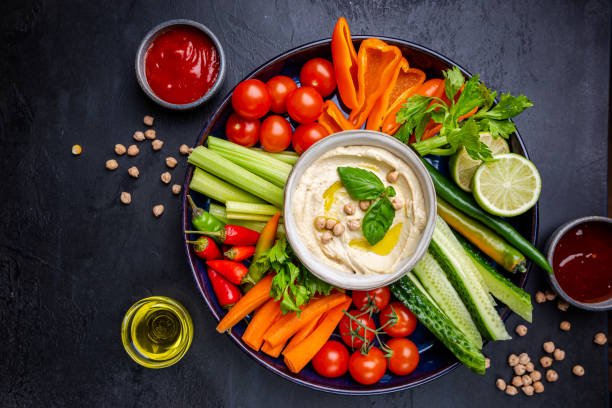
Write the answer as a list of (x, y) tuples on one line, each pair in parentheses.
[(320, 193)]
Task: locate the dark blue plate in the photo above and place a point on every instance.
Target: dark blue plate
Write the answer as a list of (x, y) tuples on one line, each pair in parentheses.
[(435, 359)]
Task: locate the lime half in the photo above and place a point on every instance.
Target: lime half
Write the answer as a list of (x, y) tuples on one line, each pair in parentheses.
[(508, 186), (462, 166)]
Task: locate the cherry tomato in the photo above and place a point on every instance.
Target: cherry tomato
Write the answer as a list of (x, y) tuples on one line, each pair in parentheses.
[(251, 99), (367, 369), (406, 320), (319, 73), (280, 87), (304, 105), (380, 297), (306, 135), (275, 134), (332, 360), (244, 132), (347, 326), (405, 356)]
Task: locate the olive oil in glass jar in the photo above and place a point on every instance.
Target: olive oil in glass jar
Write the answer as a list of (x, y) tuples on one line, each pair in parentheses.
[(156, 332)]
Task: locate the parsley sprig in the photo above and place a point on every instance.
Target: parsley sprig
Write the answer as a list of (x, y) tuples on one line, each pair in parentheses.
[(418, 111)]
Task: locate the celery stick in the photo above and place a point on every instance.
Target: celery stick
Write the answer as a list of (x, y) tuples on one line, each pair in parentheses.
[(219, 212), (250, 208), (248, 216), (219, 190), (259, 163), (286, 156), (212, 162)]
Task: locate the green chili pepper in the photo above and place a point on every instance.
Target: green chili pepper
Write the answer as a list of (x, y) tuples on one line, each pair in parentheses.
[(203, 220)]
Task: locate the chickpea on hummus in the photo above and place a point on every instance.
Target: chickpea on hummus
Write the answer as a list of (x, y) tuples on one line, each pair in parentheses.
[(328, 220)]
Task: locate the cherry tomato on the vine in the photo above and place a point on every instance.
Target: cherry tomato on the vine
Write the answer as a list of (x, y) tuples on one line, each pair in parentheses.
[(304, 105), (275, 134), (348, 328), (406, 320), (306, 135), (405, 356), (251, 99), (244, 132), (367, 369), (280, 87), (380, 297), (319, 73), (332, 360)]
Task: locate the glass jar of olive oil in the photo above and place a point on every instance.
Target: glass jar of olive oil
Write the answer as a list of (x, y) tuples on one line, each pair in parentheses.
[(156, 332)]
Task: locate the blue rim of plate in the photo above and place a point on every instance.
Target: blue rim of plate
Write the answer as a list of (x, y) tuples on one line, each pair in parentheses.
[(374, 389)]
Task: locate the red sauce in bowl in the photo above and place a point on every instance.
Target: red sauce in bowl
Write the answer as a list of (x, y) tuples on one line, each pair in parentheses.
[(181, 65), (581, 262)]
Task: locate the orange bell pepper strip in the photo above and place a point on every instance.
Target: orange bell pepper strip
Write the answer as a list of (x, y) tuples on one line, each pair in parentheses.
[(333, 119), (432, 87), (403, 84), (344, 58), (376, 63)]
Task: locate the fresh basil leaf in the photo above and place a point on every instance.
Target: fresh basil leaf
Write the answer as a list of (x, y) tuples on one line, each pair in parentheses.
[(361, 184), (377, 220), (389, 192), (453, 81)]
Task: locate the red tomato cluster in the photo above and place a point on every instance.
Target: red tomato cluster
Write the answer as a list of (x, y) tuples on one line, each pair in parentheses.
[(333, 360), (253, 99)]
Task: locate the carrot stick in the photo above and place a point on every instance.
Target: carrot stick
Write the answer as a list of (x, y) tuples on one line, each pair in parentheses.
[(263, 319), (288, 325), (249, 302), (302, 334), (300, 355), (272, 351), (265, 242)]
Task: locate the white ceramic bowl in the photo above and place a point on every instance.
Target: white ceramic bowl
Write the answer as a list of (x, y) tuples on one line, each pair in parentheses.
[(358, 138)]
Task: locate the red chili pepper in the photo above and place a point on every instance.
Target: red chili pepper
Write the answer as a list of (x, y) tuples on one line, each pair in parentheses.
[(239, 252), (230, 270), (206, 248), (227, 294), (232, 235)]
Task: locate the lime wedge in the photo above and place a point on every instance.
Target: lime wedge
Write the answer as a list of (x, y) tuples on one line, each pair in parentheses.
[(462, 166), (508, 186)]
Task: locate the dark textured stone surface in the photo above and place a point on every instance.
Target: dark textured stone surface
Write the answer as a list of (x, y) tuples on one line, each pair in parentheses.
[(73, 259)]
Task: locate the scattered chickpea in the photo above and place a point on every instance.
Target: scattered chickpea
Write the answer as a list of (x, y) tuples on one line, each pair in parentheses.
[(524, 358), (138, 136), (529, 367), (353, 225), (551, 375), (500, 384), (600, 338), (538, 387), (549, 346), (176, 189), (319, 223), (112, 164), (536, 375), (330, 223), (157, 144), (559, 354), (150, 134), (133, 150), (513, 360), (565, 325), (578, 370), (487, 363), (326, 236), (76, 150), (526, 379), (338, 229), (519, 369), (126, 198), (550, 295), (517, 381), (562, 305), (392, 176), (166, 177), (349, 208), (546, 361), (133, 172), (158, 210), (511, 390), (120, 149), (540, 297), (528, 390), (398, 203), (521, 330), (184, 149), (171, 162), (148, 120), (364, 204)]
